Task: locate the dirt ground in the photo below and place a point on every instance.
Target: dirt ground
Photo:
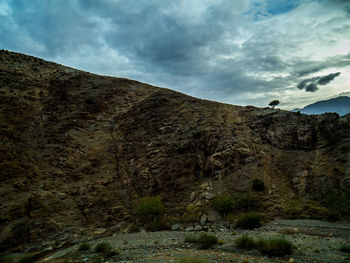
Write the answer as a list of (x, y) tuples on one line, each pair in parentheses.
[(314, 241)]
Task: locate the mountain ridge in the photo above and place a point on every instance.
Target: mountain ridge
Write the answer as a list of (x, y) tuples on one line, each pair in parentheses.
[(340, 105), (79, 150)]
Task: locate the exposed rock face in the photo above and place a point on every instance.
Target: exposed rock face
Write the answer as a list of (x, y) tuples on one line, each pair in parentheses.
[(78, 149)]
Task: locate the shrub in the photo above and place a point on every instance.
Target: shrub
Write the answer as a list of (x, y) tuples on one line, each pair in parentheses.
[(192, 260), (26, 259), (297, 208), (95, 259), (7, 259), (338, 202), (206, 240), (258, 185), (84, 247), (275, 247), (190, 239), (249, 221), (157, 225), (104, 248), (192, 213), (223, 203), (345, 248), (246, 201), (150, 207), (245, 242)]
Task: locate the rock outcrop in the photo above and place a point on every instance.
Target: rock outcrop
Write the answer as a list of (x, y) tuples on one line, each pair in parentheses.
[(77, 150)]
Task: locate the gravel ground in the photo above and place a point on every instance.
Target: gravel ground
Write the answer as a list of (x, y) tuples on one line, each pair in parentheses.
[(314, 241)]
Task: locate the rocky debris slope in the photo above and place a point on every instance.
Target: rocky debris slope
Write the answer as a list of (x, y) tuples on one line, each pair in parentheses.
[(78, 150)]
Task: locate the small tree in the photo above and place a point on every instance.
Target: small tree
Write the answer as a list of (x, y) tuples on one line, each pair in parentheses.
[(274, 103), (223, 203), (150, 207)]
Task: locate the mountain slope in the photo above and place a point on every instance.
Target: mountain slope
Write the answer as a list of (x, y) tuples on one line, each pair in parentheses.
[(340, 105), (79, 150)]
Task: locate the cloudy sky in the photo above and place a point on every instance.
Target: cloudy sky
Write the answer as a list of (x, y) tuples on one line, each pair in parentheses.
[(245, 52)]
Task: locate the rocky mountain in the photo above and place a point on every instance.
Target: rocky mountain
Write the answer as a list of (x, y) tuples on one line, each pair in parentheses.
[(340, 105), (78, 150)]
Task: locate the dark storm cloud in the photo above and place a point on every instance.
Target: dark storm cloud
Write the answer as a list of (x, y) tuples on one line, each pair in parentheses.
[(302, 84), (326, 79), (310, 84), (312, 87)]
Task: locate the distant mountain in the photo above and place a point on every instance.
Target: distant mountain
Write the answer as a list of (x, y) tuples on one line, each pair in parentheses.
[(340, 105)]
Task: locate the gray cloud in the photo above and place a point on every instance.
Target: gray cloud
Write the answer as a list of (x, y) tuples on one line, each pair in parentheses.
[(326, 79), (312, 87), (310, 84), (231, 51)]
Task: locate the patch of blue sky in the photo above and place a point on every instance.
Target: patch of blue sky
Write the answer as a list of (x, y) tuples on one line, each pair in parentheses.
[(262, 9), (277, 7)]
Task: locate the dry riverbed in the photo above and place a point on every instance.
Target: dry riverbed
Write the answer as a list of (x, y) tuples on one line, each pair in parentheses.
[(314, 241)]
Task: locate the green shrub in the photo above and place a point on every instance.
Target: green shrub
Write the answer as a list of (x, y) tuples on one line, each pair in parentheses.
[(191, 239), (192, 213), (192, 260), (275, 247), (26, 259), (206, 240), (104, 248), (150, 207), (223, 203), (258, 185), (249, 221), (157, 225), (84, 247), (96, 259), (246, 201), (345, 248), (245, 242), (338, 202), (7, 259)]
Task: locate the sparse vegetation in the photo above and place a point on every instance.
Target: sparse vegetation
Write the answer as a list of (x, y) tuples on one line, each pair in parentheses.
[(258, 185), (192, 213), (190, 239), (157, 225), (249, 221), (104, 248), (297, 209), (246, 201), (224, 203), (275, 247), (345, 248), (150, 207), (84, 247), (206, 240), (26, 259), (7, 259), (245, 242), (338, 203), (96, 259), (192, 260)]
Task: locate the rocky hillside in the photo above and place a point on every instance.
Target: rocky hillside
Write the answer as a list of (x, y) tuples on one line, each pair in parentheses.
[(78, 150)]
